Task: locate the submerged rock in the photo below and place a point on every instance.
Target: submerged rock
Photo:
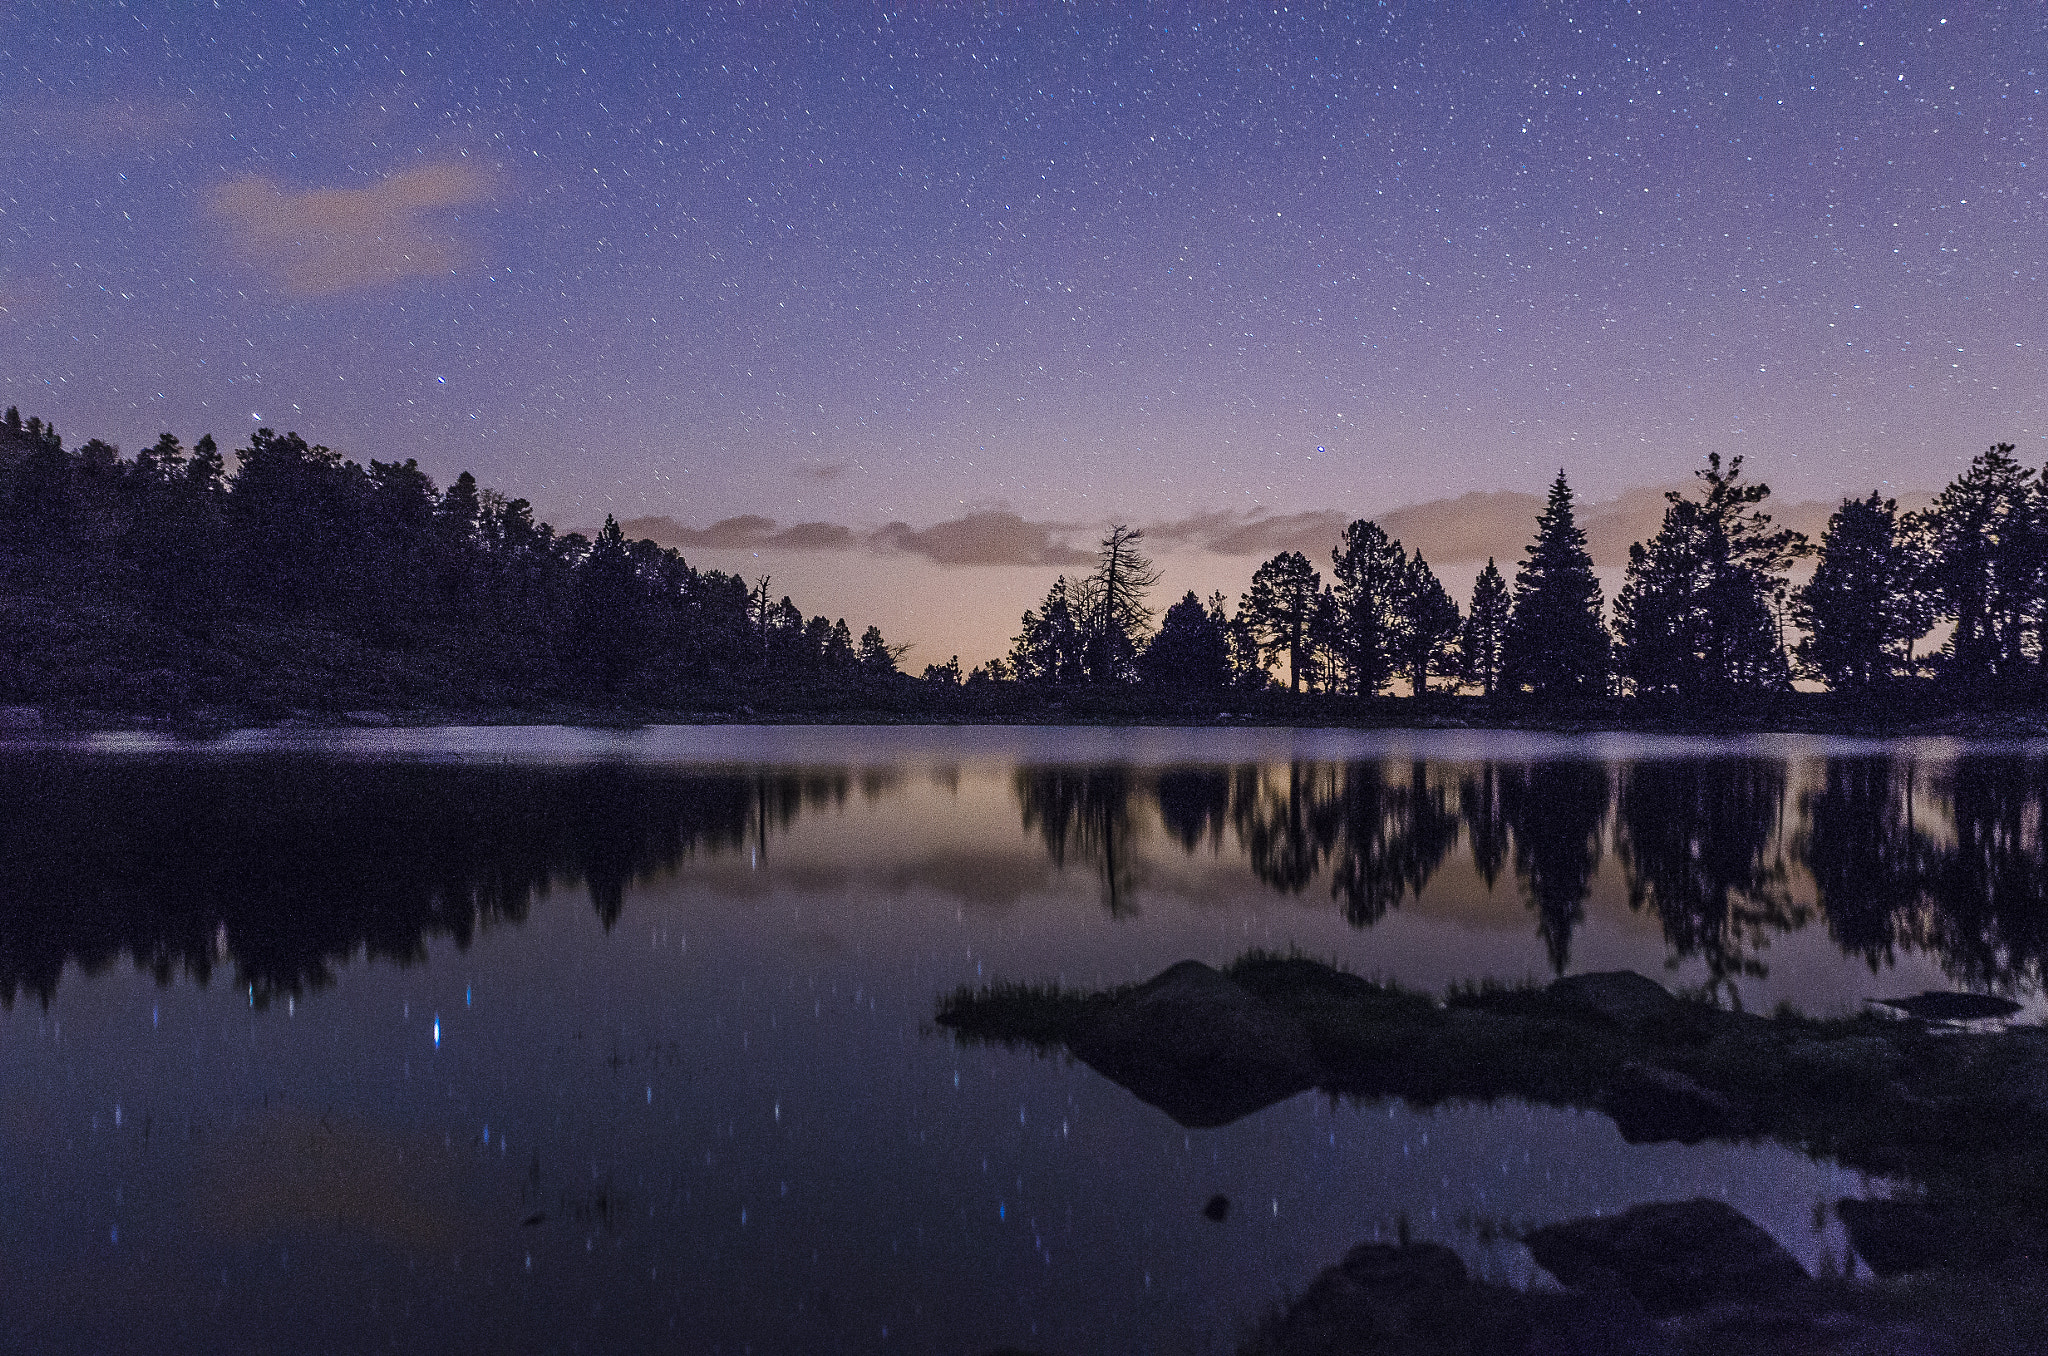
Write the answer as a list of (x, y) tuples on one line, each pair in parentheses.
[(1946, 1005), (1200, 1048), (1654, 1106), (1672, 1257), (1898, 1237), (1622, 997)]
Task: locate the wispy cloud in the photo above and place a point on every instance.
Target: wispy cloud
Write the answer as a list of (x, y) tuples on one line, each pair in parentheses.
[(1470, 527), (824, 472), (988, 537), (1228, 532), (749, 532), (315, 242)]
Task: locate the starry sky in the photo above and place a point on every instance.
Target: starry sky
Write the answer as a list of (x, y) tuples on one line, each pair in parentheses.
[(812, 286)]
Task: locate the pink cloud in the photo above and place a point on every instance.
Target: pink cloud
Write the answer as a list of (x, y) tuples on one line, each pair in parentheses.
[(315, 242)]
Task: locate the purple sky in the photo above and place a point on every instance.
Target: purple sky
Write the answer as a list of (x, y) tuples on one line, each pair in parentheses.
[(848, 265)]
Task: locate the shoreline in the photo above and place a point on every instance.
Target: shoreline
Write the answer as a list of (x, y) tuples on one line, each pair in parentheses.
[(1791, 714)]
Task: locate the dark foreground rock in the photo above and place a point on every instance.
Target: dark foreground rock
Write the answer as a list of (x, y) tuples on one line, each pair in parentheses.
[(1417, 1299), (1199, 1047), (1650, 1105), (1672, 1257), (1622, 997)]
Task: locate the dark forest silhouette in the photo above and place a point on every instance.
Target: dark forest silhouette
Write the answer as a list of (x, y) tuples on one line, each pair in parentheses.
[(289, 580), (301, 580)]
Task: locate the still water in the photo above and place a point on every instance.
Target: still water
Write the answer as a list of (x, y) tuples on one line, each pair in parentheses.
[(570, 1040)]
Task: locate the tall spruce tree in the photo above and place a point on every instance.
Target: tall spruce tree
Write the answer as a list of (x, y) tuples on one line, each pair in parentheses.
[(1556, 643), (1861, 611), (1486, 629), (1052, 646)]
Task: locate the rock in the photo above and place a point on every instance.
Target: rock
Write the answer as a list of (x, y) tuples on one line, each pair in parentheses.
[(1197, 1046), (1392, 1269), (1620, 996), (1895, 1238), (1605, 1319), (1945, 1005), (1653, 1106), (1416, 1299), (1672, 1257)]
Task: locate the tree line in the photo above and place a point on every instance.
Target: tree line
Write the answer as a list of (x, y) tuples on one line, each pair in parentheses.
[(297, 577), (1706, 608)]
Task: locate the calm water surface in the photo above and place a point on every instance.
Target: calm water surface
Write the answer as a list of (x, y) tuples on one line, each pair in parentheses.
[(550, 1039)]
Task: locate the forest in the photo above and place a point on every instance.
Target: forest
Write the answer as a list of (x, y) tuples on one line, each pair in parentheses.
[(293, 582)]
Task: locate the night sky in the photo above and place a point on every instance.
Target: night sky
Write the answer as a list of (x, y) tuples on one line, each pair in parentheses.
[(1191, 267)]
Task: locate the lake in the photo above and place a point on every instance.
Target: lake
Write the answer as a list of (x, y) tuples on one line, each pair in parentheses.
[(574, 1040)]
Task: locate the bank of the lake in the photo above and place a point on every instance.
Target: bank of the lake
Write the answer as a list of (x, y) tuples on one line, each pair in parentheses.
[(2002, 711)]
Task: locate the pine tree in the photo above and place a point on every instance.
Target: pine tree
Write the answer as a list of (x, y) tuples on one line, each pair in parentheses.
[(1191, 653), (1112, 613), (1861, 603), (1984, 565), (877, 656), (1051, 646), (1704, 601), (1556, 643), (1486, 629), (1426, 623), (1370, 573), (1282, 607)]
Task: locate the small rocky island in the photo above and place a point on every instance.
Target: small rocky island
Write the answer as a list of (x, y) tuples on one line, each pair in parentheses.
[(1955, 1116)]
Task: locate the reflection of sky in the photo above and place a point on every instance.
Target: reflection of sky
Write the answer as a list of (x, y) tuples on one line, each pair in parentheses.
[(739, 1126)]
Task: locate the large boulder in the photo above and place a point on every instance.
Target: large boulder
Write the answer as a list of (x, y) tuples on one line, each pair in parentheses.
[(1672, 1257), (1622, 997), (1200, 1048), (1655, 1106)]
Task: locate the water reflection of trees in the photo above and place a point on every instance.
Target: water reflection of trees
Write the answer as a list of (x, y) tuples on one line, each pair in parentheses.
[(287, 868), (1699, 839), (1707, 846), (1556, 813), (1379, 837), (1084, 813), (1971, 889), (1869, 861)]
